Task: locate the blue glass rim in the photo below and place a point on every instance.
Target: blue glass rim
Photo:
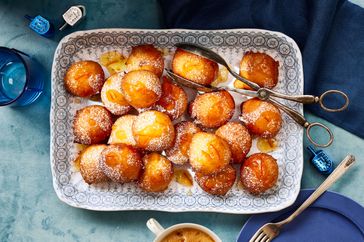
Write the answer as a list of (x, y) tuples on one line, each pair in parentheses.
[(17, 54)]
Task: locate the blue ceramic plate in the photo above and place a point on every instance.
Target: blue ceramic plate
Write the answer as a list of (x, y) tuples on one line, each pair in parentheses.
[(332, 218)]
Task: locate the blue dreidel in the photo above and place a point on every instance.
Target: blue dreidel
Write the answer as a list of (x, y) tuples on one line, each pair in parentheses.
[(321, 161), (41, 26)]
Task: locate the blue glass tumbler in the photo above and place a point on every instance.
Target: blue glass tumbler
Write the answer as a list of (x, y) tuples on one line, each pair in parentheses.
[(21, 78)]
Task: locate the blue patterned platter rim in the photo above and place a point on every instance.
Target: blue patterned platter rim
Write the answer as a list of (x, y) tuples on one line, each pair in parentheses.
[(231, 44)]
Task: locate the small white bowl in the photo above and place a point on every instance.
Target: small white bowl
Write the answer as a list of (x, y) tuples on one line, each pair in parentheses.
[(161, 232)]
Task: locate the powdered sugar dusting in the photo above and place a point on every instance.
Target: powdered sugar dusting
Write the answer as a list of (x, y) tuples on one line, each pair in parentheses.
[(157, 173), (153, 131), (213, 109), (208, 153), (146, 57), (89, 164), (140, 81), (260, 112), (178, 154), (78, 72), (122, 131), (90, 121), (121, 163), (113, 83), (238, 139)]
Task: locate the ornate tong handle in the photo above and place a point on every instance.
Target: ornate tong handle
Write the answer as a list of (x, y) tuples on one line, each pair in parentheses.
[(307, 99), (300, 119)]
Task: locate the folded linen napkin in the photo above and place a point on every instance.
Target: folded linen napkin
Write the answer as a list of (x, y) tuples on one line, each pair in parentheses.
[(330, 34)]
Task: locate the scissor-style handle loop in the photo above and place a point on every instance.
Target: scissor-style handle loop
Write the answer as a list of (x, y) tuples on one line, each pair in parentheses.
[(325, 94), (309, 126)]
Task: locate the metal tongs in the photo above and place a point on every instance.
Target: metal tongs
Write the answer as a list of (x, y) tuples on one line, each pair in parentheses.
[(262, 93)]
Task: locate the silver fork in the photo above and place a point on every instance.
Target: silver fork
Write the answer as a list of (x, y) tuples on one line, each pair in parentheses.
[(271, 230)]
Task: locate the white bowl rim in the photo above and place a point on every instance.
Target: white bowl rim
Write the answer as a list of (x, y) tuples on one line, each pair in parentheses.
[(172, 228)]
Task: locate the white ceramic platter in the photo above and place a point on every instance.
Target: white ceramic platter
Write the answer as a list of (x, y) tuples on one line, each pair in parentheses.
[(231, 44)]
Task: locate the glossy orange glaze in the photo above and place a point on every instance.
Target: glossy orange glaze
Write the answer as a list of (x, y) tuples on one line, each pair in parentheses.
[(258, 173), (261, 118), (194, 67), (259, 68)]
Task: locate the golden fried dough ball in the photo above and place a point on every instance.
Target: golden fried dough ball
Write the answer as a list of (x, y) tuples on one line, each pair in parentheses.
[(178, 153), (112, 97), (212, 109), (259, 68), (258, 173), (141, 89), (208, 153), (92, 125), (89, 164), (261, 118), (121, 163), (238, 139), (153, 131), (218, 183), (146, 57), (173, 101), (194, 68), (84, 78), (122, 131), (157, 173)]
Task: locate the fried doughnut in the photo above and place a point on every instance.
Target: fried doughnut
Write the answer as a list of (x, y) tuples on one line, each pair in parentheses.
[(157, 173), (208, 153), (141, 89), (178, 153), (212, 109), (173, 101), (122, 131), (146, 57), (238, 139), (112, 97), (259, 68), (194, 68), (261, 118), (92, 125), (84, 78), (90, 168), (121, 163), (258, 173), (153, 131), (219, 183)]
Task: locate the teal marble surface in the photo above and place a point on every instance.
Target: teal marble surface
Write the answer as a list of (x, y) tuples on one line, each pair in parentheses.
[(30, 209)]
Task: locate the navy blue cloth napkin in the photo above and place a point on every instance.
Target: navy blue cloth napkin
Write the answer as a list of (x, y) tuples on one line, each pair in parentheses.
[(330, 34)]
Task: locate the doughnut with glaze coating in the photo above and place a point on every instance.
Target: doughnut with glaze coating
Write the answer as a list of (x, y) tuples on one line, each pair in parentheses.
[(212, 109), (153, 131), (194, 68), (84, 78), (258, 173), (238, 138), (90, 168), (92, 125), (208, 153), (157, 173), (146, 57), (261, 117), (121, 163)]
